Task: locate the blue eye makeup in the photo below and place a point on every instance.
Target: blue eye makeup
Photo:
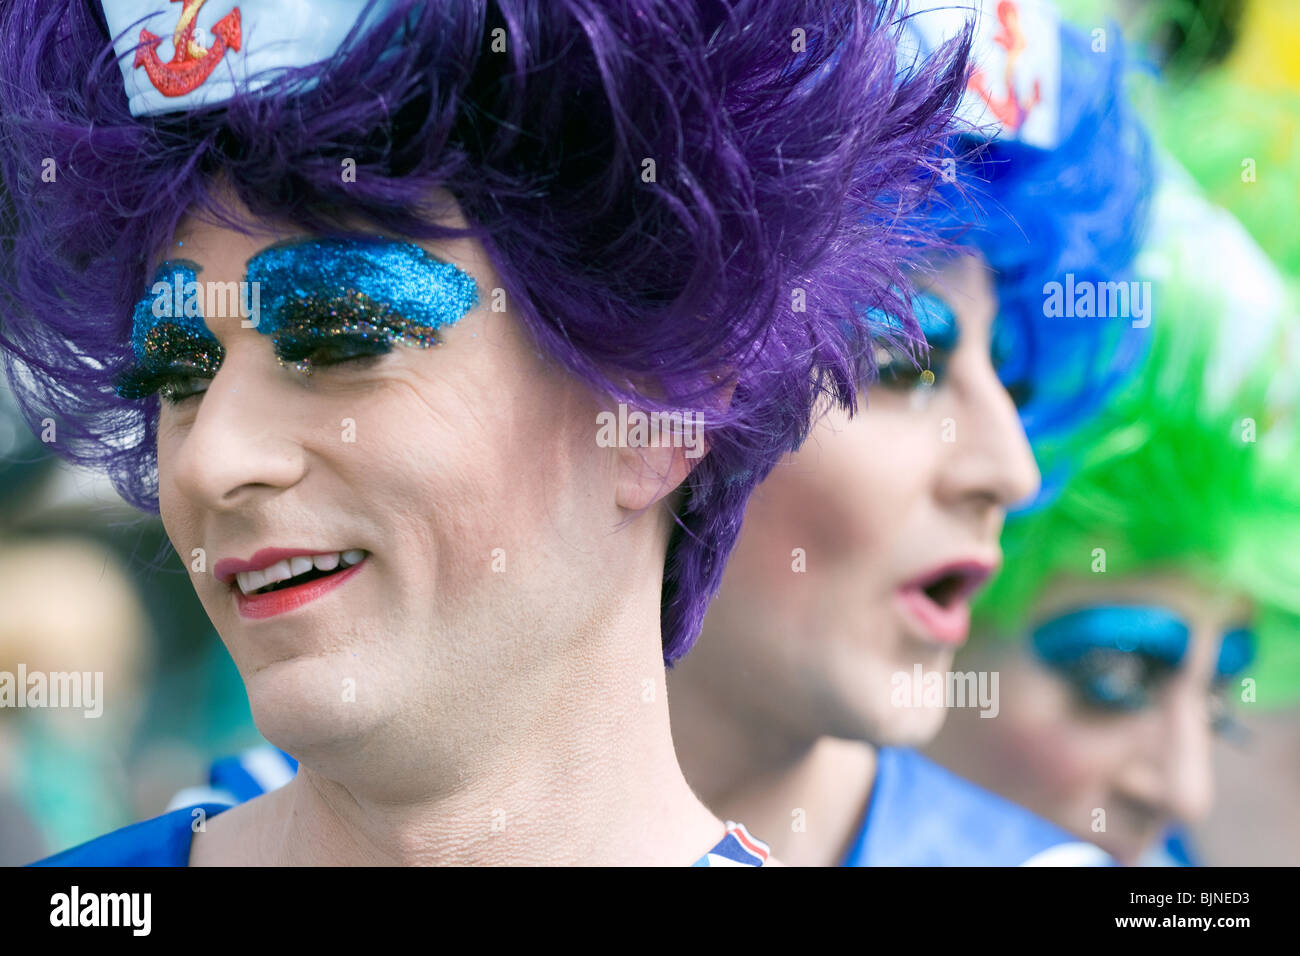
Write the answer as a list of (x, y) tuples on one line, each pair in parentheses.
[(1237, 652), (1013, 358), (1116, 657), (327, 302), (173, 348), (897, 368), (338, 300), (1113, 657), (937, 320)]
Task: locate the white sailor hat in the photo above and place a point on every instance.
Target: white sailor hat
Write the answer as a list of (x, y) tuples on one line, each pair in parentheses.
[(178, 55)]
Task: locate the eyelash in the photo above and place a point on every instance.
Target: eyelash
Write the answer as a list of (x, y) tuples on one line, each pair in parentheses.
[(1222, 719), (898, 371), (146, 380), (174, 383), (1089, 673), (306, 353), (1085, 674)]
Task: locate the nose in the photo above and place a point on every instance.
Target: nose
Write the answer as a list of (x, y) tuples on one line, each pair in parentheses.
[(990, 460), (1171, 772), (240, 442)]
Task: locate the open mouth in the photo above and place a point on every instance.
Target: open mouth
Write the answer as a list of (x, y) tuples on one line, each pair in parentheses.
[(938, 601), (954, 585), (293, 572)]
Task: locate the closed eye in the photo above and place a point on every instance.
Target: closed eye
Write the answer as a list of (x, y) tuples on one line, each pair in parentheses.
[(323, 350), (174, 383), (1106, 679), (899, 371)]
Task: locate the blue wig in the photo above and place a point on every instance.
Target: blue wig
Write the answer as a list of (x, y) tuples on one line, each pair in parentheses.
[(1079, 208)]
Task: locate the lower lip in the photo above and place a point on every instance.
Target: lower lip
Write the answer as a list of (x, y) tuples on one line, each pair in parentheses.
[(259, 606), (949, 626)]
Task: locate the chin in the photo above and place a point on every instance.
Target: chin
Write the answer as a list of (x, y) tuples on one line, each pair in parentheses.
[(898, 727), (304, 705)]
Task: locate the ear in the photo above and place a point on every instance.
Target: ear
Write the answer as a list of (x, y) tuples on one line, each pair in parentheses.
[(653, 452), (645, 475)]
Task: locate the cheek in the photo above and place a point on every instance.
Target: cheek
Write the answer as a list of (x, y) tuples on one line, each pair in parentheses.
[(1048, 747), (179, 514), (846, 494), (483, 473)]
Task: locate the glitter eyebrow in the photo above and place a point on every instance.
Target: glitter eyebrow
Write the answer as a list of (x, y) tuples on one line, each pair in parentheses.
[(377, 289), (168, 302), (936, 318), (167, 330)]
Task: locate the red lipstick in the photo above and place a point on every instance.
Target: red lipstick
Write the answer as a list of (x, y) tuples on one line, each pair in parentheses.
[(259, 606), (283, 598)]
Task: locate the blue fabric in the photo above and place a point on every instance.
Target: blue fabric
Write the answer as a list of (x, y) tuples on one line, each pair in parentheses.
[(165, 841), (162, 841), (922, 815), (1178, 845), (230, 774)]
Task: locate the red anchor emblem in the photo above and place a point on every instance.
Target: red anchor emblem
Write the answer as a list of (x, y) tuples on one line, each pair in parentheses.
[(1009, 110), (191, 63)]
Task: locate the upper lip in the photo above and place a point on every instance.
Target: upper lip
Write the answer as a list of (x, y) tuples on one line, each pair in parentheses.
[(974, 571), (226, 569)]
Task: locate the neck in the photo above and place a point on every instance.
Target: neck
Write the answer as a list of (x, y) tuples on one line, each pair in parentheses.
[(578, 770), (802, 793)]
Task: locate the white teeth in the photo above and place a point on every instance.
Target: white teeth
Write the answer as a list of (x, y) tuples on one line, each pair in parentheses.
[(278, 572), (325, 562), (250, 581)]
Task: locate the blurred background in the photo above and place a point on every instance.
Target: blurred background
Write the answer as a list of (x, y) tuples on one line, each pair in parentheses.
[(88, 583)]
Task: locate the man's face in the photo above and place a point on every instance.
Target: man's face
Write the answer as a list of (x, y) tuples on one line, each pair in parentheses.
[(859, 555), (449, 493), (1108, 709)]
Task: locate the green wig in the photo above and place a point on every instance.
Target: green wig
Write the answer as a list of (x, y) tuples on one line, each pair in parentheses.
[(1225, 102), (1239, 144), (1194, 467)]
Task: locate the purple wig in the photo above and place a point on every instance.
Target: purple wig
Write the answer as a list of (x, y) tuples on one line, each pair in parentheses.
[(789, 153)]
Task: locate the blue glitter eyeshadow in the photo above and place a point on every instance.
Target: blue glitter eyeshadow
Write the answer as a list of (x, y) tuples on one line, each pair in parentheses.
[(168, 337), (379, 290), (170, 293), (937, 320), (1236, 653), (1153, 631)]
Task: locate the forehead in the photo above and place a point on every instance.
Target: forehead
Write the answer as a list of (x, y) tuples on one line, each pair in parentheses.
[(223, 251), (223, 248)]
